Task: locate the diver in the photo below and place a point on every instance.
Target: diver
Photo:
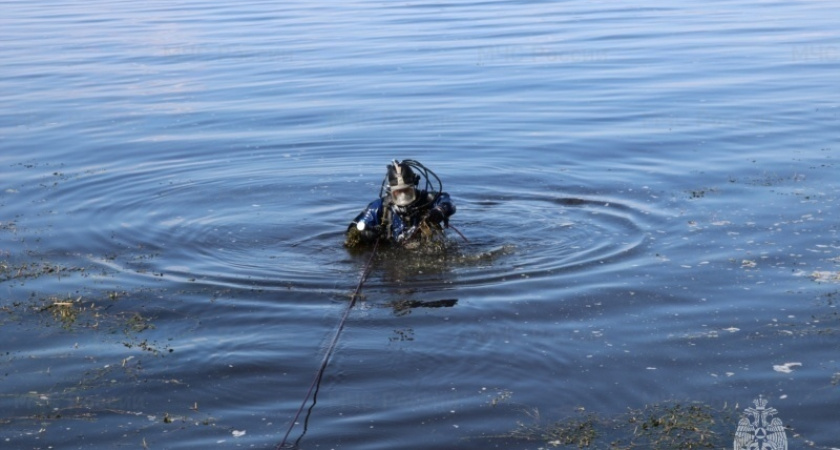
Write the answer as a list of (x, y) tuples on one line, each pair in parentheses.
[(403, 213)]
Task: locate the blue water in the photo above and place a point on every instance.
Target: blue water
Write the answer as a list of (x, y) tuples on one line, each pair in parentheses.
[(649, 192)]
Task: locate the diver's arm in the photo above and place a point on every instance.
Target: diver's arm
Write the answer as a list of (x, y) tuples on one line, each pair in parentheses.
[(441, 209), (365, 227)]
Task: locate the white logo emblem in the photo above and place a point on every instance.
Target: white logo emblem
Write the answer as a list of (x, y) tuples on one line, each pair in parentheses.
[(759, 430)]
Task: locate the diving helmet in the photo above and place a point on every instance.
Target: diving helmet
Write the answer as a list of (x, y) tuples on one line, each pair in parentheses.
[(402, 183)]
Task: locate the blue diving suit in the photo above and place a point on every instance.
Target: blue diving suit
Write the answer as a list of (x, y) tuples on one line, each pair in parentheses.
[(382, 218)]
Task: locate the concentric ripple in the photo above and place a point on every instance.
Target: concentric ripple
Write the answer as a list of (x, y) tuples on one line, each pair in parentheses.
[(527, 236), (237, 224), (538, 235)]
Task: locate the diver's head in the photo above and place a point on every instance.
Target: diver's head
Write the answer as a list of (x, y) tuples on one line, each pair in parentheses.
[(402, 183)]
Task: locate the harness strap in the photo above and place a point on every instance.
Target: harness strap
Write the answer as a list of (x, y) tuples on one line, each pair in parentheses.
[(387, 218)]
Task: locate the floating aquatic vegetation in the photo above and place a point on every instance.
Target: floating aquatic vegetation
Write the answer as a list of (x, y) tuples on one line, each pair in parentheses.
[(353, 239), (501, 396), (669, 425), (701, 192), (402, 335), (93, 312), (577, 432), (580, 432), (34, 269), (89, 313), (679, 426), (65, 312)]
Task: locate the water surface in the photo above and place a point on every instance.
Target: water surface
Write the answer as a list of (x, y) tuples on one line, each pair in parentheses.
[(649, 192)]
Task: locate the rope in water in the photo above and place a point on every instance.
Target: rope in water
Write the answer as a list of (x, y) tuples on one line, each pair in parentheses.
[(459, 233), (331, 346)]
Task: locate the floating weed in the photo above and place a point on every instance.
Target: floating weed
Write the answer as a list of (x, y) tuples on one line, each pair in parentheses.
[(669, 425), (137, 323), (678, 426), (77, 314), (353, 239), (824, 320), (65, 312), (701, 193), (501, 396), (152, 347), (402, 335), (34, 269), (81, 313), (580, 432), (48, 410)]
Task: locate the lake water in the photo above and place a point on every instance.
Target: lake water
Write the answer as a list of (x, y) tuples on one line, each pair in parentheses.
[(649, 191)]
